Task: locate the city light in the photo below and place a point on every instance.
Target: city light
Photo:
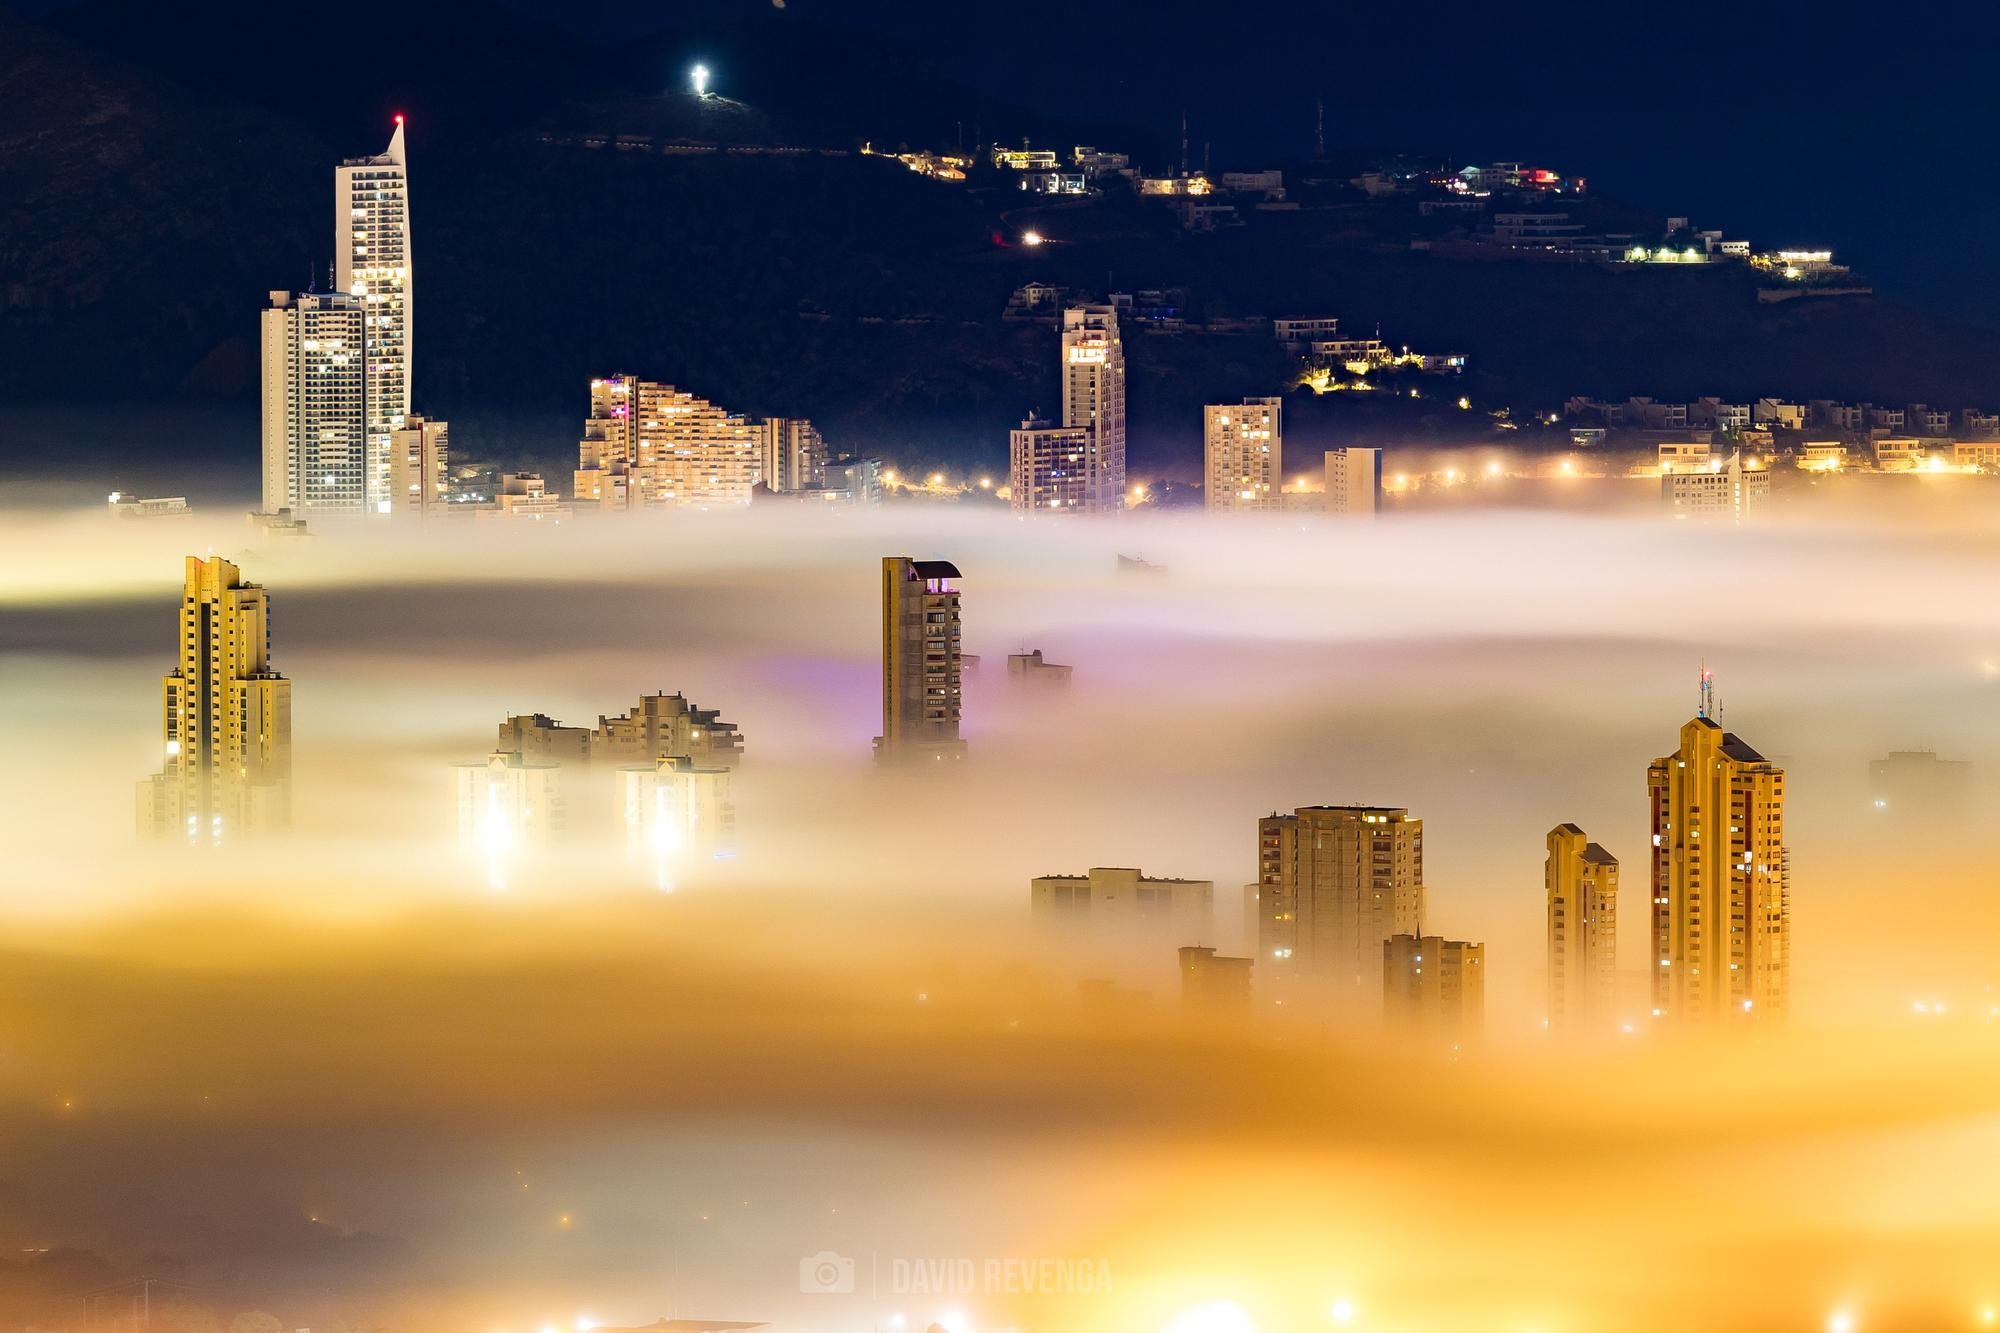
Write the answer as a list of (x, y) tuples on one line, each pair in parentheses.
[(1212, 1317), (1031, 238), (698, 80)]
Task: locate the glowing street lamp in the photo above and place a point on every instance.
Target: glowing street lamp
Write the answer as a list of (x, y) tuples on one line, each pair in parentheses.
[(698, 76)]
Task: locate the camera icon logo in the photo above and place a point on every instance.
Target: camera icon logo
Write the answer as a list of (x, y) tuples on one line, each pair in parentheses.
[(826, 1273)]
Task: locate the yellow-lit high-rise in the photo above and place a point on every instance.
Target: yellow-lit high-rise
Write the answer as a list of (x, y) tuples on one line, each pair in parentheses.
[(921, 661), (1582, 883), (1721, 912), (1334, 882), (226, 717)]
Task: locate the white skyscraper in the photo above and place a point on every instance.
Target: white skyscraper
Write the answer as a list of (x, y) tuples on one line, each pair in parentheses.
[(314, 404), (1093, 371), (371, 230)]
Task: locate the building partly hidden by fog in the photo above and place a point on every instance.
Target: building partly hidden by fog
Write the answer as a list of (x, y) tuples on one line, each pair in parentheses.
[(921, 661), (1720, 880), (659, 772), (1581, 879), (1916, 784), (225, 717), (1334, 883), (1353, 481)]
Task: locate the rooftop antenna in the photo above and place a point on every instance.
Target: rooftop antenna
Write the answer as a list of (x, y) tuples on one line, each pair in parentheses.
[(1708, 709), (1184, 142)]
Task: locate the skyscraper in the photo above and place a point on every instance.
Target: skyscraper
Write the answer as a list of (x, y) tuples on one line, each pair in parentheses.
[(650, 444), (315, 404), (920, 660), (1353, 481), (1244, 455), (1433, 988), (1721, 906), (371, 229), (1582, 883), (1093, 376), (225, 717), (1334, 882)]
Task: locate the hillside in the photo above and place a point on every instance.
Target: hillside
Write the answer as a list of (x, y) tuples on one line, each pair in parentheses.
[(146, 205)]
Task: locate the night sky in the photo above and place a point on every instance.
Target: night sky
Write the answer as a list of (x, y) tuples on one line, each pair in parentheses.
[(1795, 125)]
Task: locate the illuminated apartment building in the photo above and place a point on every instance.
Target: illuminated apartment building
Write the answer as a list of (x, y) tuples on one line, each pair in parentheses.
[(1244, 455), (371, 228), (419, 466), (659, 726), (794, 455), (1093, 381), (225, 717), (1433, 989), (920, 660), (1115, 898), (315, 404), (647, 444), (1353, 481), (1049, 468), (676, 813), (508, 808), (1730, 491), (1334, 882), (1581, 879), (667, 726), (1721, 910)]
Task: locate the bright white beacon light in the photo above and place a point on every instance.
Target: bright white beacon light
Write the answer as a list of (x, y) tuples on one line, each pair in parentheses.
[(698, 76)]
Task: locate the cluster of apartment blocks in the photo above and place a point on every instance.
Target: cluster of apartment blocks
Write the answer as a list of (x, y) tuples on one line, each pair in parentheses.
[(1337, 913), (1854, 419), (670, 764)]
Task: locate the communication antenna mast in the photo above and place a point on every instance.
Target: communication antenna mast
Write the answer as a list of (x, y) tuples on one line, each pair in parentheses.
[(1319, 125), (1708, 709), (1184, 142)]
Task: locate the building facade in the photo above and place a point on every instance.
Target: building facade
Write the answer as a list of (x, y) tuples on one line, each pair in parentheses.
[(1049, 468), (225, 717), (1120, 897), (650, 445), (676, 813), (419, 467), (314, 420), (1093, 381), (1581, 880), (1243, 455), (794, 455), (1354, 481), (1334, 882), (1214, 985), (921, 667), (1723, 492), (371, 228), (508, 808), (1433, 989), (1721, 896), (660, 726)]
